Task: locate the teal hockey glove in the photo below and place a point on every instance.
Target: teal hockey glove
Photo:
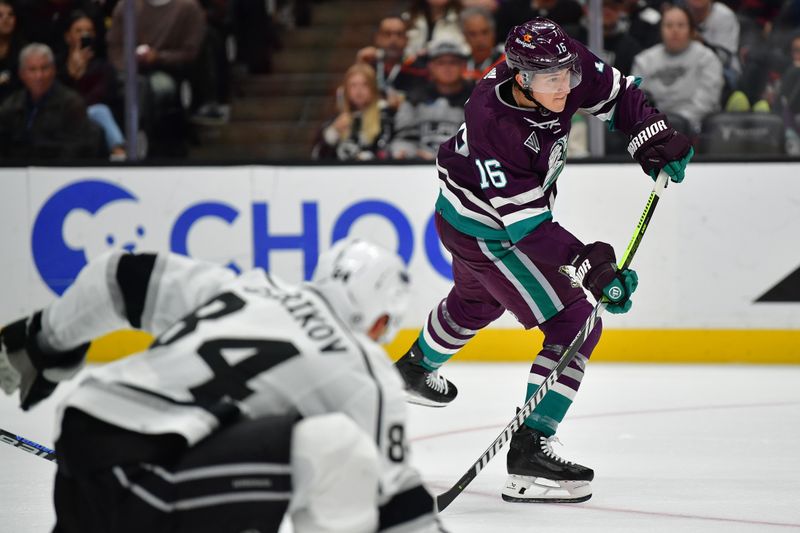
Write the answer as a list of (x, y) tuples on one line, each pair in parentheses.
[(618, 292), (595, 267)]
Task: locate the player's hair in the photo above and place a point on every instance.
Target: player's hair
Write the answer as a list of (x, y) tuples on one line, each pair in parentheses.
[(371, 115)]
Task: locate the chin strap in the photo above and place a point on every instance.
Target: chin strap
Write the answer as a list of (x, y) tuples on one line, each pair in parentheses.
[(527, 94)]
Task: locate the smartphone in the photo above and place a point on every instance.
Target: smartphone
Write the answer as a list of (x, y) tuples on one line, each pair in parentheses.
[(87, 41)]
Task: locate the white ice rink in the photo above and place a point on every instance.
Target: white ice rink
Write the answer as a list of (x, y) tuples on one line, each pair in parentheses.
[(674, 448)]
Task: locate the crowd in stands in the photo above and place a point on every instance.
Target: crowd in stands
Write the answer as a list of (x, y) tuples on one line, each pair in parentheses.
[(63, 66), (726, 72)]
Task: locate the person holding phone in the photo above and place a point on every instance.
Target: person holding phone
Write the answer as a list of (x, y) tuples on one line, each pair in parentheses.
[(94, 78)]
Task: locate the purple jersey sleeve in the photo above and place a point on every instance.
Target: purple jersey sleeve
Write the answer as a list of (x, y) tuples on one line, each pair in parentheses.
[(611, 96)]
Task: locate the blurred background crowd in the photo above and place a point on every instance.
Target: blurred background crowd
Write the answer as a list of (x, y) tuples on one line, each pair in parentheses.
[(363, 80)]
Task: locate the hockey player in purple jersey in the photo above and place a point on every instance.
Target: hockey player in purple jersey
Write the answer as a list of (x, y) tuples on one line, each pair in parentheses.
[(497, 189)]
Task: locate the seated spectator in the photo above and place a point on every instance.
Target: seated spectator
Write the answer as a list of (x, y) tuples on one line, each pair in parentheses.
[(362, 129), (642, 20), (45, 119), (681, 75), (477, 24), (619, 47), (10, 45), (434, 113), (169, 34), (93, 78), (765, 54), (45, 21), (565, 13), (432, 20), (211, 77), (397, 74), (718, 27)]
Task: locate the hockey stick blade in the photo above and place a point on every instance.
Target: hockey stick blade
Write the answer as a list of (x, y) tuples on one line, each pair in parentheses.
[(27, 445), (445, 499)]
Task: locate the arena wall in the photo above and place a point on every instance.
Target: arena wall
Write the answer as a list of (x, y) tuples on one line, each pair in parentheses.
[(719, 267)]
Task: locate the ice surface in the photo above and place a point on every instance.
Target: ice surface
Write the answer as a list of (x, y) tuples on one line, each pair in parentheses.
[(688, 448)]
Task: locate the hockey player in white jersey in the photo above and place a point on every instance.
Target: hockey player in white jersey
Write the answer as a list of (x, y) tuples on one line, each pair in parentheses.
[(257, 398)]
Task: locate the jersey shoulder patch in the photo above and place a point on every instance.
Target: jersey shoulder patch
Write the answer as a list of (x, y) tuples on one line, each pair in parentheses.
[(532, 142)]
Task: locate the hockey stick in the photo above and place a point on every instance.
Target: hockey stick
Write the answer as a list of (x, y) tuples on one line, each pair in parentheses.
[(27, 445), (446, 498)]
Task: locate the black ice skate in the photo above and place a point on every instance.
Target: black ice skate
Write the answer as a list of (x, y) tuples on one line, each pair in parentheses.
[(536, 474), (424, 387)]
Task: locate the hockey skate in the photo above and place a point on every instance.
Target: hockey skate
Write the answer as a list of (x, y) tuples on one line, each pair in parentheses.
[(424, 387), (538, 475)]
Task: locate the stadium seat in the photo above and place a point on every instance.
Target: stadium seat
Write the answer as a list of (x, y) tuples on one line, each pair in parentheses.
[(742, 133)]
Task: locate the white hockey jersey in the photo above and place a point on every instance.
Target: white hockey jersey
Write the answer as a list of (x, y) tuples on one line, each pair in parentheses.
[(224, 345)]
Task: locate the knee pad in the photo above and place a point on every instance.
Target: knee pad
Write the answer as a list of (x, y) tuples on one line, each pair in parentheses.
[(562, 328)]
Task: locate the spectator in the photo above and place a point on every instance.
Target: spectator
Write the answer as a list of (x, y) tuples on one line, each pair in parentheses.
[(44, 119), (718, 27), (619, 47), (45, 21), (682, 76), (211, 77), (169, 36), (362, 129), (434, 113), (432, 20), (642, 20), (93, 78), (565, 13), (10, 45), (396, 73), (478, 27)]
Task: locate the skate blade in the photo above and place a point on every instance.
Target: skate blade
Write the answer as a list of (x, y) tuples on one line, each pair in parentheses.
[(525, 489), (419, 400)]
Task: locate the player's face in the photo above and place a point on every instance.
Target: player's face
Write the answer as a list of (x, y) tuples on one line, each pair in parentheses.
[(358, 91), (675, 31), (552, 89)]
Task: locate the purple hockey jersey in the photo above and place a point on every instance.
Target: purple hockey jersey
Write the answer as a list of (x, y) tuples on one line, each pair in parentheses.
[(498, 173)]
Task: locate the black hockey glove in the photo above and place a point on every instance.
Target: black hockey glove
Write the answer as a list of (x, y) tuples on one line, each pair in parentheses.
[(656, 145), (595, 267), (24, 366)]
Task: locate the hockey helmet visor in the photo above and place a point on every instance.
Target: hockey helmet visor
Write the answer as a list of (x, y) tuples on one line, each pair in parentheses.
[(552, 80)]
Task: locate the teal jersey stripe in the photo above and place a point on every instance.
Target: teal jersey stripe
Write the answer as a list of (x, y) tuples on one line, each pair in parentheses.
[(518, 230), (515, 232), (467, 225), (546, 305)]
